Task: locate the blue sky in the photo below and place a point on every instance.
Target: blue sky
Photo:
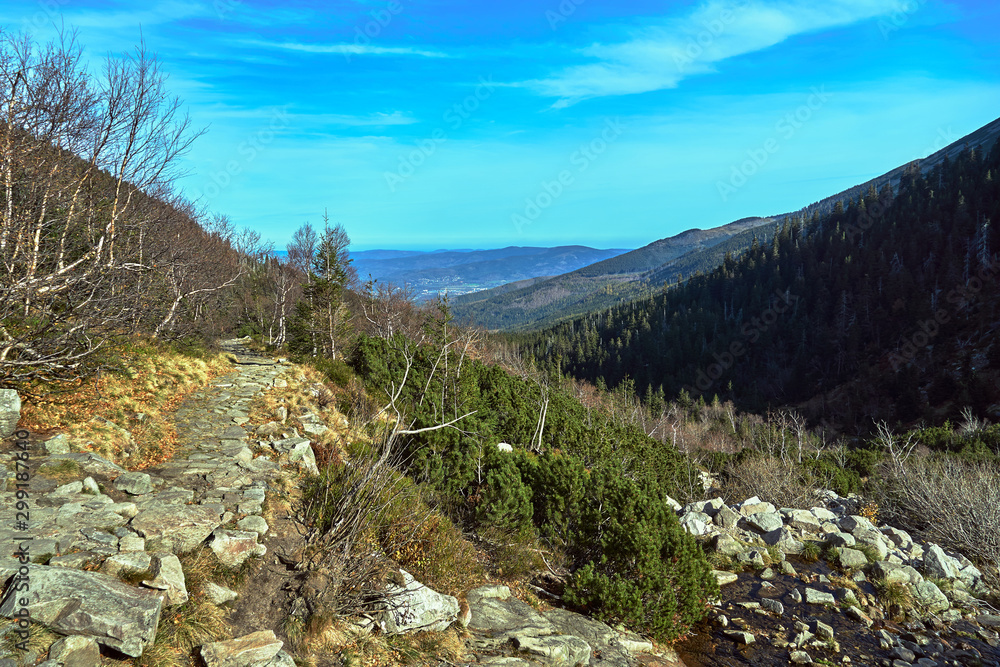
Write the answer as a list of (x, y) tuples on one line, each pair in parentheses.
[(433, 123)]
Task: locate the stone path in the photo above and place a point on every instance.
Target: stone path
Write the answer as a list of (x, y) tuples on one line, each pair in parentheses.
[(119, 522)]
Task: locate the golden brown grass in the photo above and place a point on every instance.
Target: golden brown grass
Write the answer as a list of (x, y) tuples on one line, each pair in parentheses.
[(358, 647), (107, 413)]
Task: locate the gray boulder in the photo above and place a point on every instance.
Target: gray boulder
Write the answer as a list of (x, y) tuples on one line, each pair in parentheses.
[(234, 547), (726, 518), (929, 596), (57, 445), (72, 602), (175, 528), (134, 483), (851, 559), (785, 539), (168, 577), (754, 506), (727, 545), (938, 564), (856, 525), (696, 523), (10, 412), (414, 607), (91, 463), (503, 617), (256, 648), (804, 520), (764, 522)]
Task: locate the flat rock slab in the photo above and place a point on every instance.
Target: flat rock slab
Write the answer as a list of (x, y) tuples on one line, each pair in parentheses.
[(134, 483), (501, 617), (234, 547), (72, 602), (415, 607), (257, 647), (176, 528), (558, 651)]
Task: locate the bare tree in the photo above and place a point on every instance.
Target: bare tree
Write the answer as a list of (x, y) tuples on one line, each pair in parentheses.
[(87, 167)]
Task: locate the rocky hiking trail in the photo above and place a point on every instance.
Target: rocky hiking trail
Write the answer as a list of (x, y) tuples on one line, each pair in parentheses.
[(108, 551)]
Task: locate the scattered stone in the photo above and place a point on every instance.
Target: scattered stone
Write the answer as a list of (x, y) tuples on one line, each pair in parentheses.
[(799, 658), (219, 594), (740, 636), (257, 647), (819, 597), (131, 543), (57, 445), (928, 595), (764, 522), (804, 520), (90, 486), (303, 454), (68, 489), (488, 592), (772, 606), (724, 577), (727, 545), (726, 518), (254, 524), (755, 505), (856, 614), (938, 564), (823, 631)]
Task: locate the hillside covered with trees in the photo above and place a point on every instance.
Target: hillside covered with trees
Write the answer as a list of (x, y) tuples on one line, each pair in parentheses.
[(883, 309)]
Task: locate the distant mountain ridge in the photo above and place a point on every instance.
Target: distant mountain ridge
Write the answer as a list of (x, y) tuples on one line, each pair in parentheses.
[(461, 271), (536, 303)]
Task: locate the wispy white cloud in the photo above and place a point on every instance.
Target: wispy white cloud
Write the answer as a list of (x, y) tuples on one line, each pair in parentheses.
[(349, 49), (661, 56)]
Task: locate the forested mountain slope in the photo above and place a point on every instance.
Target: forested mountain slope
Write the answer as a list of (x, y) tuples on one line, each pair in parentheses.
[(885, 308)]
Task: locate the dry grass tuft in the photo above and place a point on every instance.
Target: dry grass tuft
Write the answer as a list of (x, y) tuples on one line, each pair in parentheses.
[(124, 415)]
